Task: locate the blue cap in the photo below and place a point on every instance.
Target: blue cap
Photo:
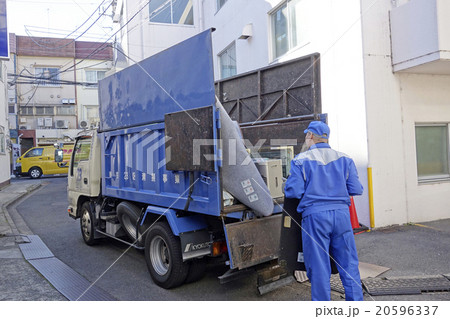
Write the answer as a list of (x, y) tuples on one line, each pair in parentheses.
[(318, 128)]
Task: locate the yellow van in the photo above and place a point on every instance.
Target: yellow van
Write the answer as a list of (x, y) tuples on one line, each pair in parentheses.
[(41, 160)]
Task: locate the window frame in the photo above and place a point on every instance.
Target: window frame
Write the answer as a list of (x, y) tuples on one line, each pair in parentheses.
[(93, 84), (45, 108), (27, 154), (74, 162), (438, 177), (71, 107), (47, 82), (219, 56), (172, 15), (272, 39), (218, 6)]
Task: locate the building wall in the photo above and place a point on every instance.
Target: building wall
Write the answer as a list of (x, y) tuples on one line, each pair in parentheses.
[(87, 96), (334, 31), (142, 38), (4, 128), (424, 99), (395, 102)]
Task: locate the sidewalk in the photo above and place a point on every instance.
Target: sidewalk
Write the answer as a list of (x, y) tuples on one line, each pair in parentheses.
[(20, 281)]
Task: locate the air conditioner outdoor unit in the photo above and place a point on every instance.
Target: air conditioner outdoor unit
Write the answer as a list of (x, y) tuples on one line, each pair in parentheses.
[(71, 101), (83, 124), (40, 121), (62, 124), (48, 122), (23, 120), (65, 101)]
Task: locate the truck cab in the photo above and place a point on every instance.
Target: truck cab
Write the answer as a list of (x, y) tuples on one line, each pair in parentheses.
[(84, 173)]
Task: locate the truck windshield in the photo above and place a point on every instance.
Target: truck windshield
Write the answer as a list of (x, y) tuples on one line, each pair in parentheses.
[(81, 152)]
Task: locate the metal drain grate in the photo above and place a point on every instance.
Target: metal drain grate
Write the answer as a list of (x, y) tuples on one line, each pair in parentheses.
[(35, 249), (67, 281), (406, 285)]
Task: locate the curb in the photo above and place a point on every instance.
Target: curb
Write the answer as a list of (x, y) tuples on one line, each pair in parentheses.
[(4, 207)]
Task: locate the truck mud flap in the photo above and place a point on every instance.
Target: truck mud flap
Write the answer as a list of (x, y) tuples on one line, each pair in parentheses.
[(195, 244), (252, 242)]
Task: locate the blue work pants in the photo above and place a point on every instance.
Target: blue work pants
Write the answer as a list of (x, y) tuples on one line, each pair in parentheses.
[(324, 232)]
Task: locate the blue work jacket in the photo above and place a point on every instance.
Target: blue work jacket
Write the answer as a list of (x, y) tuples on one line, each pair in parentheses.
[(323, 179)]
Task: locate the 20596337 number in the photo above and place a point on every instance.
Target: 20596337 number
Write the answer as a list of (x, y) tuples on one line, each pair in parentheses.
[(404, 310)]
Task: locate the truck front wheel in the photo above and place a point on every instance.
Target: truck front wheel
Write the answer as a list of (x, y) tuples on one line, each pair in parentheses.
[(163, 257), (87, 224)]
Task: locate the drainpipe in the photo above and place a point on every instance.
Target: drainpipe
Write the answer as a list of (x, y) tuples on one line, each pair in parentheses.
[(370, 190), (76, 97)]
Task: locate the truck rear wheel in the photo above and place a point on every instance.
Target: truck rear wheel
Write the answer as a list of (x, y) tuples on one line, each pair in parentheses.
[(163, 257), (87, 224)]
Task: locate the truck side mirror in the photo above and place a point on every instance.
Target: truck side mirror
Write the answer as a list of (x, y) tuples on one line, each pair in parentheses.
[(59, 155)]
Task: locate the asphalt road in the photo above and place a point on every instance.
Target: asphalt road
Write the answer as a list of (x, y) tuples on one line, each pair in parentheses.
[(121, 271)]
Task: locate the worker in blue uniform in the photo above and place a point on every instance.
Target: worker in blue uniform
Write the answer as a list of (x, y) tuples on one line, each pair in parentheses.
[(324, 179)]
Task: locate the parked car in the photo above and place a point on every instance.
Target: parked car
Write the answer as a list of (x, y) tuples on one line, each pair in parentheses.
[(38, 161)]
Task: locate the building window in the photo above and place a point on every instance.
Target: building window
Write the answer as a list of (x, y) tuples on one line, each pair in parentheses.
[(220, 4), (172, 11), (26, 110), (289, 26), (47, 76), (44, 110), (227, 61), (66, 110), (432, 147), (11, 109), (93, 76)]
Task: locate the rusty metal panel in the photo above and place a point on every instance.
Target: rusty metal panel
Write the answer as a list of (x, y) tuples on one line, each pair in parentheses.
[(284, 90), (254, 241), (182, 130), (274, 134)]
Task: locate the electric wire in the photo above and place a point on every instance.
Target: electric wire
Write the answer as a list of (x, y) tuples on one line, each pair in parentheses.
[(72, 40)]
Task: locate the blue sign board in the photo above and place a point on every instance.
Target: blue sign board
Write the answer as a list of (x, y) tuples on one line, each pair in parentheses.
[(4, 43)]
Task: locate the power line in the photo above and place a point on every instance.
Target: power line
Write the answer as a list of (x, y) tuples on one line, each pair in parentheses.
[(73, 40), (95, 51)]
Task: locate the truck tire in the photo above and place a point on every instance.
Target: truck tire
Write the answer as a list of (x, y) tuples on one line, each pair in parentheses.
[(197, 268), (87, 221), (163, 257), (35, 172), (128, 215)]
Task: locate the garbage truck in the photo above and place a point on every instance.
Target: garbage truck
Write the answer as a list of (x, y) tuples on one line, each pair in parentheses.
[(189, 170)]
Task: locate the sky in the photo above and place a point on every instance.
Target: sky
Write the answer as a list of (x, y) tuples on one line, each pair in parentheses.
[(60, 18)]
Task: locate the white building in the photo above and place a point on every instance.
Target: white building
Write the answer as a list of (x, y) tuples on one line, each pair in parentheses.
[(384, 78), (4, 128)]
